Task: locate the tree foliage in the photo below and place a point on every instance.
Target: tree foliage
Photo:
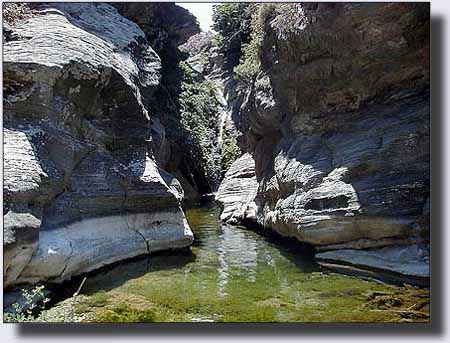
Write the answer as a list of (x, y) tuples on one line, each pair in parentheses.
[(230, 150), (250, 22), (232, 22), (249, 64), (289, 20), (199, 119)]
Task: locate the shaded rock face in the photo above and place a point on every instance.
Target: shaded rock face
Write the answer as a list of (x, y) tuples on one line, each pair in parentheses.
[(204, 107), (337, 123), (207, 64), (81, 185), (166, 27)]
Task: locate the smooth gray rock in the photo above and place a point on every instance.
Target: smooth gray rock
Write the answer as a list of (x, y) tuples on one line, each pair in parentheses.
[(80, 154), (92, 243), (340, 146), (237, 192), (409, 260), (20, 241)]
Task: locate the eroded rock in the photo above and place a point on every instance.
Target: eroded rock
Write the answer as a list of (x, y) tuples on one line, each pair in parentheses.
[(238, 190), (337, 123), (82, 188)]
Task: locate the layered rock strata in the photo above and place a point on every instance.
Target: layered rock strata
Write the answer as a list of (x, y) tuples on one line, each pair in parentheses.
[(81, 185), (337, 124)]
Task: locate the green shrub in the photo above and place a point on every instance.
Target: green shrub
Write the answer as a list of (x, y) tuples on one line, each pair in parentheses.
[(230, 151), (218, 40), (25, 312), (289, 20), (285, 19), (231, 21), (249, 64), (200, 111)]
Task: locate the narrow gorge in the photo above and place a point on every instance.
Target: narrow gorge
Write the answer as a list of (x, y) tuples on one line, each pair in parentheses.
[(276, 164)]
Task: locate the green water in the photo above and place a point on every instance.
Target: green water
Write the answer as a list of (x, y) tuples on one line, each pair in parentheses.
[(232, 274)]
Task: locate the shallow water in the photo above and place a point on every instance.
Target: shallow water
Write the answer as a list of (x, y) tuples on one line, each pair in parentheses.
[(232, 274)]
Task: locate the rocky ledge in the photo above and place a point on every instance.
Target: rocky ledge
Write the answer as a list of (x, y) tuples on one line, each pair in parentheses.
[(81, 185)]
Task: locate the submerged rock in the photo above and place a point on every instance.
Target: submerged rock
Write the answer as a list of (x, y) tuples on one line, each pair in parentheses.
[(81, 186)]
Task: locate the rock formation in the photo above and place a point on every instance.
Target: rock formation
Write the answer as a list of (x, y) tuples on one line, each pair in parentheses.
[(108, 127), (238, 191), (81, 184), (337, 124)]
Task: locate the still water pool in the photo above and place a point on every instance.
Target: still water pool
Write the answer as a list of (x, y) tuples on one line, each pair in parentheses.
[(232, 274)]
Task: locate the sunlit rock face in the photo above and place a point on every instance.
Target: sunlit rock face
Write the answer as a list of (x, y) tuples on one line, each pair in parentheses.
[(81, 186), (337, 124), (238, 190)]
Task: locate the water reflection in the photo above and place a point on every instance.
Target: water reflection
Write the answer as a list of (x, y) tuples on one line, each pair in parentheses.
[(236, 250), (221, 254), (240, 253), (115, 276), (233, 274)]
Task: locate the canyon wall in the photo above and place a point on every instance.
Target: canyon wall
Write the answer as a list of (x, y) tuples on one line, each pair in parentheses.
[(84, 156), (316, 117), (189, 101), (335, 130)]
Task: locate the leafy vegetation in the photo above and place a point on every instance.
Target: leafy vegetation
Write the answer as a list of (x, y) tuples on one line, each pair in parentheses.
[(231, 21), (230, 150), (249, 64), (200, 111), (285, 19), (34, 301), (289, 20)]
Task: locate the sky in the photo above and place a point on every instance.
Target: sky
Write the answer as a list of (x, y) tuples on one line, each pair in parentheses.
[(203, 12)]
